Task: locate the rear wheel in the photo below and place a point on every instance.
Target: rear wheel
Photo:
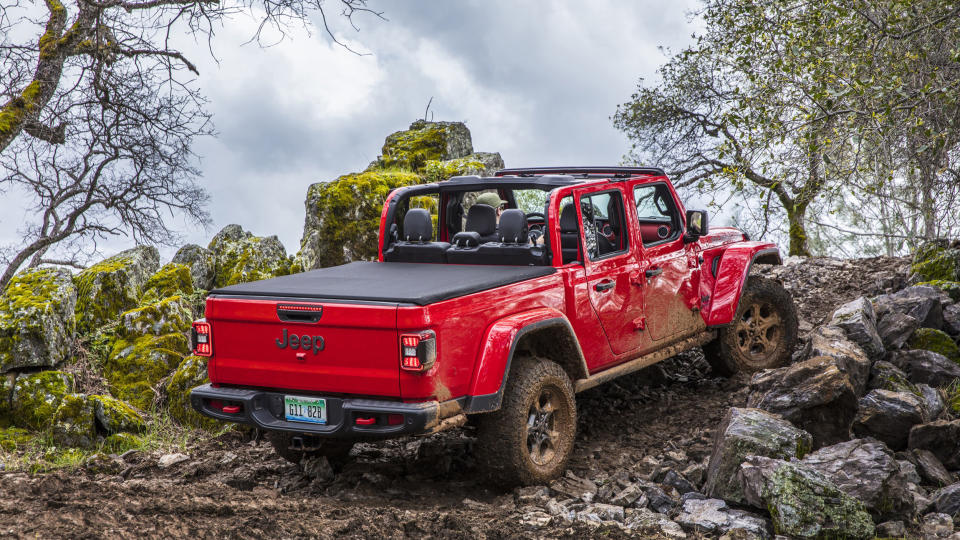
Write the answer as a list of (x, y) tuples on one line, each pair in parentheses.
[(761, 336), (530, 438), (333, 449)]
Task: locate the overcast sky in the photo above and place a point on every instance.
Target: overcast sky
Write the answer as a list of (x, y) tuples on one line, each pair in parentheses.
[(536, 81)]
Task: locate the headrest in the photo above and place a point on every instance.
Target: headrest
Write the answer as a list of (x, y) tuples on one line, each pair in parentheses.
[(417, 225), (568, 219), (466, 239), (513, 227), (482, 219)]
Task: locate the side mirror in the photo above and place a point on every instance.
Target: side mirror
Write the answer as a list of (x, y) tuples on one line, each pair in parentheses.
[(697, 224)]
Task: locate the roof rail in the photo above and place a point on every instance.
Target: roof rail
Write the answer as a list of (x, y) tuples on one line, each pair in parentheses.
[(618, 172)]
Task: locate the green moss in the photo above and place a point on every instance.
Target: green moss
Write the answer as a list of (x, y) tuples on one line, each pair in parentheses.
[(37, 396), (74, 422), (6, 389), (36, 319), (171, 280), (191, 373), (437, 171), (167, 316), (241, 257), (115, 416), (413, 148), (11, 438), (938, 260), (112, 286), (952, 288), (136, 366), (937, 341)]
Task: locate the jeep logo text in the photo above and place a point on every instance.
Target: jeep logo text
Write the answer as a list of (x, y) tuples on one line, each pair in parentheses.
[(304, 342)]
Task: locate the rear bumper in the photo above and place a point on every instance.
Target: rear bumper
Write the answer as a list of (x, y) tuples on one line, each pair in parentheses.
[(265, 410)]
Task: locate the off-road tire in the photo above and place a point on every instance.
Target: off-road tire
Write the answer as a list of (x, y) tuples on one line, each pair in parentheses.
[(761, 336), (530, 438), (336, 450)]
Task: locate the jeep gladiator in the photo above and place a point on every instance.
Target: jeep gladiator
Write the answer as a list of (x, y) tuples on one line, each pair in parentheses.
[(497, 315)]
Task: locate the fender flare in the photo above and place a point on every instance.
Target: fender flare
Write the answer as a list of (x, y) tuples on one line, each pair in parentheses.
[(732, 277), (499, 347)]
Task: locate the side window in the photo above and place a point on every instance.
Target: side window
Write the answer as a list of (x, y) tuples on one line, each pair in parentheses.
[(603, 218), (656, 212)]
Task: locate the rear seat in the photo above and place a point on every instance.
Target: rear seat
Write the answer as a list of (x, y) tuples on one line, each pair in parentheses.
[(416, 245), (513, 249)]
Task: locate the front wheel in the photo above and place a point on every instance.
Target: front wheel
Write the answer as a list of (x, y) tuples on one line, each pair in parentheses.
[(761, 336), (530, 438)]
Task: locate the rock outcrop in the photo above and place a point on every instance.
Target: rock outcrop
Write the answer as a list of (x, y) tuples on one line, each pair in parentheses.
[(37, 319), (888, 416), (202, 264), (241, 257), (859, 321), (108, 288)]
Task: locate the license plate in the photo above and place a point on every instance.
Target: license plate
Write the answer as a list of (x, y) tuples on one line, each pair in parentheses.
[(305, 409)]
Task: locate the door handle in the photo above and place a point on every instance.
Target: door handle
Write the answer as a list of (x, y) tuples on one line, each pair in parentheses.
[(653, 272), (604, 286)]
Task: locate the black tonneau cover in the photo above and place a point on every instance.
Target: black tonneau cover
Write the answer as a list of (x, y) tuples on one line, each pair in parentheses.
[(409, 283)]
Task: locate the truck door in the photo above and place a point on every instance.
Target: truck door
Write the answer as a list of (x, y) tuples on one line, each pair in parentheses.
[(670, 293), (611, 267)]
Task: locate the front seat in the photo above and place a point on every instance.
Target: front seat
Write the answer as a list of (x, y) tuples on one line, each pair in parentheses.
[(569, 234), (482, 219)]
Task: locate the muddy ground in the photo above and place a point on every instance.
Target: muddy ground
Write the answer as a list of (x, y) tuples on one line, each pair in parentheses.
[(235, 486)]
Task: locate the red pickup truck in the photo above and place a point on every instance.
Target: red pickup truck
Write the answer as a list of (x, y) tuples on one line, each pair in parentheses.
[(495, 312)]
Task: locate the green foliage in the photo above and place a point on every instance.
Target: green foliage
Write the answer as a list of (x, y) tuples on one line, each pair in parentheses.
[(937, 341)]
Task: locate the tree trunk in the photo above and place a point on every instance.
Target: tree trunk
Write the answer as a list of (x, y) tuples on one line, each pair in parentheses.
[(796, 217)]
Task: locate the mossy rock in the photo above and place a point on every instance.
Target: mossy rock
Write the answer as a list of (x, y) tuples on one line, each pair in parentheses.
[(424, 141), (167, 316), (37, 319), (171, 280), (191, 373), (12, 438), (241, 257), (937, 260), (952, 288), (479, 164), (202, 265), (115, 416), (343, 217), (113, 286), (74, 423), (938, 341), (37, 396), (136, 366), (119, 443)]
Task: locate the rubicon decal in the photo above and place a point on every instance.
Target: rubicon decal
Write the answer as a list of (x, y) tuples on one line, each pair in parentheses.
[(304, 342)]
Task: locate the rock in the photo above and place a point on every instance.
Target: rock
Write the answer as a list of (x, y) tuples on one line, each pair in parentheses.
[(859, 321), (134, 367), (831, 341), (937, 260), (932, 400), (536, 519), (888, 416), (670, 529), (886, 376), (479, 164), (951, 319), (114, 416), (677, 482), (695, 473), (929, 339), (532, 495), (167, 316), (931, 469), (169, 460), (631, 495), (921, 303), (37, 396), (927, 367), (950, 288), (909, 472), (892, 529), (711, 516), (745, 432), (802, 501), (424, 141), (940, 438), (37, 319), (241, 257), (201, 262), (317, 468), (602, 512), (947, 500), (895, 329), (575, 487), (936, 525), (191, 373), (815, 395), (658, 500), (74, 423), (113, 286), (343, 217), (171, 280), (866, 470)]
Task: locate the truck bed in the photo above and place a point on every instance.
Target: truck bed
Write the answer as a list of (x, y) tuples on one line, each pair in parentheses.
[(402, 283)]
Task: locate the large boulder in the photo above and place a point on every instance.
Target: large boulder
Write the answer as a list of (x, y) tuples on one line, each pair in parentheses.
[(479, 164), (859, 321), (241, 257), (888, 416), (927, 367), (168, 316), (74, 422), (951, 319), (191, 373), (947, 500), (201, 262), (815, 395), (172, 280), (930, 339), (747, 432), (931, 469), (886, 376), (950, 288), (113, 286), (115, 416), (712, 516), (36, 397), (831, 341), (343, 217), (37, 319), (937, 260), (940, 438), (866, 470), (920, 302), (136, 366), (424, 141), (895, 329), (802, 501)]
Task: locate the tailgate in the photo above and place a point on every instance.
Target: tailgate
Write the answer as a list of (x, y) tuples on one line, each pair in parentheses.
[(348, 349)]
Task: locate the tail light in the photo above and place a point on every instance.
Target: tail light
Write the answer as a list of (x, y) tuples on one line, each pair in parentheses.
[(418, 352), (200, 338)]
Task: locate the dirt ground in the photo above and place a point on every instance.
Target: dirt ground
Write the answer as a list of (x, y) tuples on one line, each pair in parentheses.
[(235, 486)]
